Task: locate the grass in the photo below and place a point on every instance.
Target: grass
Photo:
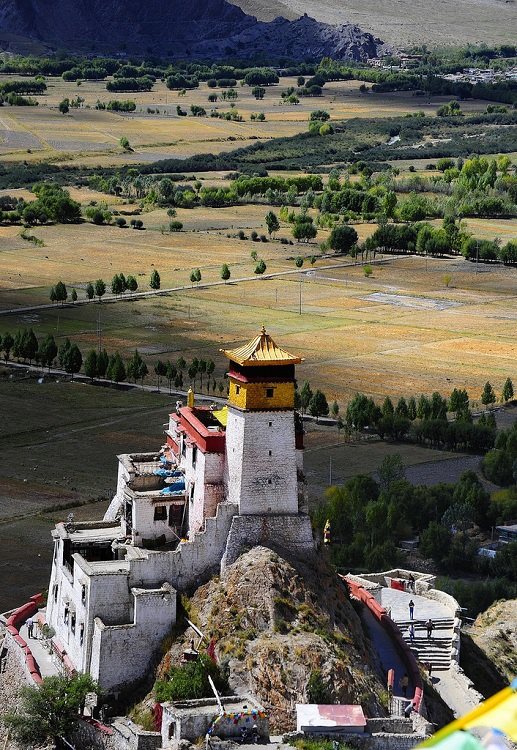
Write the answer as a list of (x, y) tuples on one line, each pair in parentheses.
[(91, 137)]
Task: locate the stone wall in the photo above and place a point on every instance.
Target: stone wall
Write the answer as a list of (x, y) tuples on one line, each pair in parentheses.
[(291, 533), (122, 734), (192, 562)]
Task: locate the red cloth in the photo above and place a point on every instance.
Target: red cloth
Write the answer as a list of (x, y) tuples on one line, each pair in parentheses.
[(158, 714), (396, 584)]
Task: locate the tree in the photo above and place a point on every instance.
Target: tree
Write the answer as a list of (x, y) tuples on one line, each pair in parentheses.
[(387, 407), (116, 370), (258, 92), (102, 363), (7, 345), (74, 295), (459, 401), (136, 367), (488, 395), (198, 275), (154, 281), (90, 364), (160, 369), (260, 267), (225, 272), (391, 470), (47, 351), (272, 223), (73, 360), (100, 289), (61, 292), (64, 106), (507, 393), (117, 285), (305, 396), (335, 409), (304, 229), (50, 710), (90, 291), (318, 406), (124, 143), (171, 373), (435, 541), (342, 238)]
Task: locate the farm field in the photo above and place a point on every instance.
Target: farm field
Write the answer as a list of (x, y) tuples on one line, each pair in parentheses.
[(90, 137)]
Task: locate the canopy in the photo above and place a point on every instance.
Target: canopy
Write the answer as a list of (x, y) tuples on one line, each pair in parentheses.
[(494, 716)]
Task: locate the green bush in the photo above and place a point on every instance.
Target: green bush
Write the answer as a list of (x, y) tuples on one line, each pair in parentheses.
[(190, 680)]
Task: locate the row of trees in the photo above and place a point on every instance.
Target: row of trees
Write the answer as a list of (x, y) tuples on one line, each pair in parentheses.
[(119, 284)]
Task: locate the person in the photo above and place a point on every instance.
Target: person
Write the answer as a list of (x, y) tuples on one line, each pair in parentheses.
[(30, 627), (411, 631), (411, 582), (254, 734), (429, 668), (411, 608), (404, 684), (430, 627)]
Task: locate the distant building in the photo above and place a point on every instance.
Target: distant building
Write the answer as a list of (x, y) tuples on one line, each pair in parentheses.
[(225, 479), (507, 534)]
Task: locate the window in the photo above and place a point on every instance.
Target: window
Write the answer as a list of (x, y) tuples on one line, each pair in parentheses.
[(183, 447), (270, 392), (269, 481), (160, 513), (194, 456), (65, 614), (270, 453), (55, 590), (72, 622), (81, 634), (270, 424), (83, 594), (237, 389)]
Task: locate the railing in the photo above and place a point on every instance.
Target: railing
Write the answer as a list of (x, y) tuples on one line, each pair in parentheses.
[(14, 623)]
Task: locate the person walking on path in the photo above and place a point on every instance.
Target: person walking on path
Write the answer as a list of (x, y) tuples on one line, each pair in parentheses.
[(404, 684), (411, 608), (429, 668), (411, 631), (411, 583), (30, 627), (430, 627)]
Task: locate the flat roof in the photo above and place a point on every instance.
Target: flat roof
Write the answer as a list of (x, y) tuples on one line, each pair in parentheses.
[(339, 715)]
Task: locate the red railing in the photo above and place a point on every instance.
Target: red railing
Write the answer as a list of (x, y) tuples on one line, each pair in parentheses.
[(394, 633), (14, 623)]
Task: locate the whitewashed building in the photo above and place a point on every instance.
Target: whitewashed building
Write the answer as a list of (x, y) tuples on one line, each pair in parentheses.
[(224, 480)]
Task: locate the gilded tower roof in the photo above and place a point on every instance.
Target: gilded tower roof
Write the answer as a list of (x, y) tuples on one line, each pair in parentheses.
[(261, 350)]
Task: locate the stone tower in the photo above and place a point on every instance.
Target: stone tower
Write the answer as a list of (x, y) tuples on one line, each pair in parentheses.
[(261, 465)]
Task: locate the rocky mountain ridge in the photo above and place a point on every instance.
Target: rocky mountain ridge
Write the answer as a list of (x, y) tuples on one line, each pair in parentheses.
[(200, 29), (275, 624)]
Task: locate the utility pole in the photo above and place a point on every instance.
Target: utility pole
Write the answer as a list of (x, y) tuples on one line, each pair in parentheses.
[(99, 331), (300, 310), (477, 255), (330, 471)]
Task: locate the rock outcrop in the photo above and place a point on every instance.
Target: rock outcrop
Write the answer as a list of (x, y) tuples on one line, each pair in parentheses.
[(276, 623), (200, 29)]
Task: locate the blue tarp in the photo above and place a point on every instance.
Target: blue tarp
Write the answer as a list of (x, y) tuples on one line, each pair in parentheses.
[(168, 473), (178, 488)]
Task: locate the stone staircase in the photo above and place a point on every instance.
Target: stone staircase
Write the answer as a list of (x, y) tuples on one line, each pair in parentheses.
[(435, 650)]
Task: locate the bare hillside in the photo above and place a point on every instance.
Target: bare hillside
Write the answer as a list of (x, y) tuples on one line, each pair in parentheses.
[(400, 22)]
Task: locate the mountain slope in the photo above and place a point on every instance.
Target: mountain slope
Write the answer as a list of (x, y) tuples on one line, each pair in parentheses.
[(276, 623), (401, 22), (198, 29)]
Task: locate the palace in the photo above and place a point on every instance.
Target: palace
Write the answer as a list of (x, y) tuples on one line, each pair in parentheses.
[(226, 479)]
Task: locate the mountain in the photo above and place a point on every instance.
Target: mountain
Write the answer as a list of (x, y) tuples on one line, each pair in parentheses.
[(405, 22), (200, 29)]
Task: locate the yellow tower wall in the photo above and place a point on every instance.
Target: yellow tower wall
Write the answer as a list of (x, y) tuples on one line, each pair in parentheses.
[(254, 395)]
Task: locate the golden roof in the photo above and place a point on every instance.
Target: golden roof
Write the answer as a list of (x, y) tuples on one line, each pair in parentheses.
[(261, 351)]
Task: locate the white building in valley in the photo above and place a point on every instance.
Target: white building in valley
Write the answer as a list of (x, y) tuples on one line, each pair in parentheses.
[(224, 480)]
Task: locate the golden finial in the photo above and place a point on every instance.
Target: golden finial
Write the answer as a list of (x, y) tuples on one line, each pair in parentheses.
[(263, 331), (190, 398)]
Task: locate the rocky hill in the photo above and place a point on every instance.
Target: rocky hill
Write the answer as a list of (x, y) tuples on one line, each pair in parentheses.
[(200, 29), (276, 623)]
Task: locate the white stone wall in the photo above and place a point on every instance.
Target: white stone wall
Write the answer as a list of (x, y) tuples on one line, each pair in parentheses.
[(290, 533), (117, 504), (191, 562), (121, 654), (145, 527), (261, 475), (206, 479)]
